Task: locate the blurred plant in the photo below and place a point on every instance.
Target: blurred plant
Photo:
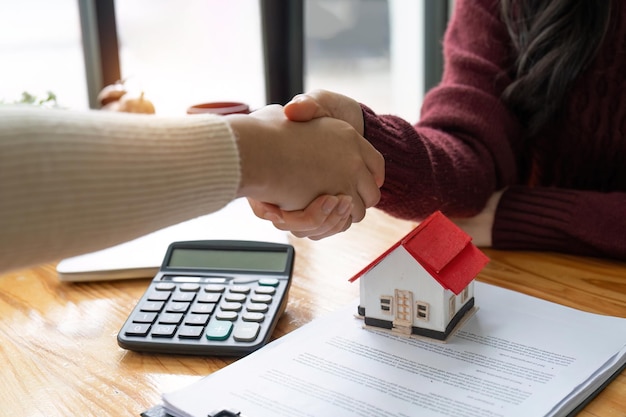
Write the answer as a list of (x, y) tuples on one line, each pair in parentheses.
[(50, 100)]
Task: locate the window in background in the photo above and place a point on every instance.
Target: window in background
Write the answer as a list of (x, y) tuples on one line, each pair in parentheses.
[(183, 53), (369, 50), (41, 51)]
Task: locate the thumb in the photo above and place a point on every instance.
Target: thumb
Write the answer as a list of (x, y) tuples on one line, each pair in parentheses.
[(303, 108)]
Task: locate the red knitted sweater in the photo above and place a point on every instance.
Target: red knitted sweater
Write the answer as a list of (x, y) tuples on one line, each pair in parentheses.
[(467, 145)]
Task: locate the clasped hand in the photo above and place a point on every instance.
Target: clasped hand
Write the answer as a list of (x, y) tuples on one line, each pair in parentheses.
[(311, 175)]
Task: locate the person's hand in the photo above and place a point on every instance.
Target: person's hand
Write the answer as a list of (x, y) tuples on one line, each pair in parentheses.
[(315, 222), (323, 103), (289, 164), (480, 227), (327, 215)]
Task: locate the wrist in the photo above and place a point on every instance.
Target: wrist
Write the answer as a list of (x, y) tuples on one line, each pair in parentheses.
[(247, 131)]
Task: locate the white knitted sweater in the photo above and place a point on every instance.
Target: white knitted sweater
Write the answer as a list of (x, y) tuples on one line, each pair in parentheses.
[(73, 182)]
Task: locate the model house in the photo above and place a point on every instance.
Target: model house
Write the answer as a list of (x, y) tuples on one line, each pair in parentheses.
[(422, 285)]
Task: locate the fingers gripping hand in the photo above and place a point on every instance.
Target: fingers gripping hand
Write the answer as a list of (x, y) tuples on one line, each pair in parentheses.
[(323, 103), (325, 216)]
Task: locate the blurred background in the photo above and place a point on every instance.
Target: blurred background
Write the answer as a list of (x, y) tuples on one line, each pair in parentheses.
[(185, 52)]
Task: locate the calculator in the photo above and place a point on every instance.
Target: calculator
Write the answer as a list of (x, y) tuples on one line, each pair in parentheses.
[(212, 297)]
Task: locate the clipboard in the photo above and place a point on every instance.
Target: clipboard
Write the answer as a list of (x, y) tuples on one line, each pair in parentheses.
[(159, 411)]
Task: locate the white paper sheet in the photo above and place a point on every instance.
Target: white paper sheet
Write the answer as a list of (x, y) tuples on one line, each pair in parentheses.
[(518, 356), (142, 257)]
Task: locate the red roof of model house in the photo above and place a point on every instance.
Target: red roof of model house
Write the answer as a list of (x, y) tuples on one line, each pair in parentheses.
[(443, 249)]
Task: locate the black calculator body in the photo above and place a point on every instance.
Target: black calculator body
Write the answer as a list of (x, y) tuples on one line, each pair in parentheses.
[(213, 297)]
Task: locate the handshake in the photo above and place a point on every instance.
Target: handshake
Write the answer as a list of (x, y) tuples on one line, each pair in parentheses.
[(306, 167)]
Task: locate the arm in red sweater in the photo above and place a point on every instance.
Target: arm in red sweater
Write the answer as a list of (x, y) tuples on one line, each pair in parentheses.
[(464, 148), (562, 220)]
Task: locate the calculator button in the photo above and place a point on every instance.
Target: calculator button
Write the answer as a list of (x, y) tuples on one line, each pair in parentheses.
[(170, 318), (165, 286), (190, 287), (152, 306), (190, 332), (243, 280), (209, 297), (235, 297), (231, 306), (251, 316), (203, 308), (144, 318), (270, 282), (265, 290), (137, 330), (257, 307), (163, 330), (218, 330), (159, 296), (184, 296), (246, 332), (243, 289), (261, 298), (227, 315), (197, 319), (175, 307), (214, 288)]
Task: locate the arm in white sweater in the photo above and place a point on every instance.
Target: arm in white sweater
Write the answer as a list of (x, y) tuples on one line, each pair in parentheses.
[(73, 182)]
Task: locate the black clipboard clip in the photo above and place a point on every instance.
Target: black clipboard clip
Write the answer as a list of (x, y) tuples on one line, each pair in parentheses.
[(225, 413)]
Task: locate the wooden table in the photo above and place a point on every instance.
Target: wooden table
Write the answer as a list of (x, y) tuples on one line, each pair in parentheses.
[(58, 350)]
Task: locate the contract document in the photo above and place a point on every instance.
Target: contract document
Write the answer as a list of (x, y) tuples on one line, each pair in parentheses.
[(517, 356)]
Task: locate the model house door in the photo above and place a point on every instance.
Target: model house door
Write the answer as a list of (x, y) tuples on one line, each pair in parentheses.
[(403, 319)]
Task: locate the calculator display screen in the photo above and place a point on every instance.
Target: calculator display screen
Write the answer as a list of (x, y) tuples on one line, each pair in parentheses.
[(231, 260)]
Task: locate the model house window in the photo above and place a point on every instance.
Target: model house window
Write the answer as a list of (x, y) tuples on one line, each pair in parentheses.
[(422, 310), (452, 306), (465, 295), (386, 304)]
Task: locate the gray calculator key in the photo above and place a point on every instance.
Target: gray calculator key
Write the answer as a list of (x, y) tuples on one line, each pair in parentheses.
[(152, 306), (209, 297), (197, 319), (231, 306), (190, 332), (144, 317), (165, 286), (243, 289), (227, 315), (251, 316), (265, 290), (214, 288), (184, 296), (202, 308), (246, 332), (163, 330), (137, 329), (170, 318), (159, 296), (261, 298), (257, 307), (235, 297), (175, 307)]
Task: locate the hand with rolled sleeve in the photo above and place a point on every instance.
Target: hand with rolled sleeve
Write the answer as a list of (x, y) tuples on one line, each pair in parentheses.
[(324, 165), (325, 216)]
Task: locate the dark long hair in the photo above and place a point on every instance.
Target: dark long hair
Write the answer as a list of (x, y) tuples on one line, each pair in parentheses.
[(555, 40)]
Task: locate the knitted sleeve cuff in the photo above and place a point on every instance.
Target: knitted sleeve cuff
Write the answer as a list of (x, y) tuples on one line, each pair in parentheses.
[(535, 219)]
